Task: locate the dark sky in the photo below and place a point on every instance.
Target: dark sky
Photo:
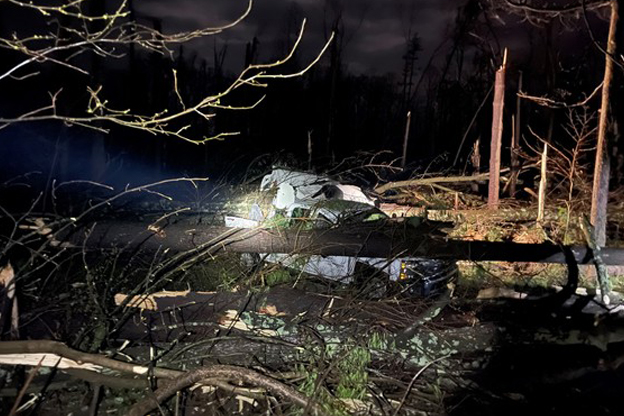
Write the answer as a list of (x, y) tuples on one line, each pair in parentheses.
[(375, 31)]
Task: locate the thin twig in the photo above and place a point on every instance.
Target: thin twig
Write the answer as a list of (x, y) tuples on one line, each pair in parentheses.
[(22, 391), (411, 384)]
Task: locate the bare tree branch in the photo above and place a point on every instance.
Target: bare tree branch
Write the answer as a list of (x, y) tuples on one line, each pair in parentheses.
[(548, 102), (106, 43), (529, 6), (208, 375)]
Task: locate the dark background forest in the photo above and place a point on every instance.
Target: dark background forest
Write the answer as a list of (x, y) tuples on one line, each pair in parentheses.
[(343, 112)]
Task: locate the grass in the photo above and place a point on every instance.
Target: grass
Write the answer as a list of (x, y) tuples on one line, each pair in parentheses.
[(345, 364), (526, 276), (353, 373)]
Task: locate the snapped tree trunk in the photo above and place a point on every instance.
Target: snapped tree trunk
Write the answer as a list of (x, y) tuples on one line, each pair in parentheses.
[(497, 133)]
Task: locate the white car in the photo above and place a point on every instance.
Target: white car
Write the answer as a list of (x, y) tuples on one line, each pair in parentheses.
[(309, 201), (301, 187)]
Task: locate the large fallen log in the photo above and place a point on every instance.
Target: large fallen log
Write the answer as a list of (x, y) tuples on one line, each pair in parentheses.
[(272, 327), (245, 328), (383, 240)]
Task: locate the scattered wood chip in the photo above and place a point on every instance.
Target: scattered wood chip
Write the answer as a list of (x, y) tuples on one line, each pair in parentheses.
[(39, 226), (141, 302), (355, 405), (6, 280)]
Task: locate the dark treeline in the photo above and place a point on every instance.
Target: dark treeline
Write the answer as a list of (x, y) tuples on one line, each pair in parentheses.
[(341, 112)]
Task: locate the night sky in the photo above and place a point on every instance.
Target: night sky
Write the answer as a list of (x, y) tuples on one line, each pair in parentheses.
[(375, 32)]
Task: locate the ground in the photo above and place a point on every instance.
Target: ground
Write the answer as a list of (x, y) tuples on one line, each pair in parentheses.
[(507, 338)]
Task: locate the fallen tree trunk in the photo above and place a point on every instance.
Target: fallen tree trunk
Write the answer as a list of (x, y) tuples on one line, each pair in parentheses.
[(439, 179), (272, 328), (366, 240), (433, 180)]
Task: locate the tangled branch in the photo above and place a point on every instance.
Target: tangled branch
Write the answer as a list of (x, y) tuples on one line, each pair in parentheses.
[(537, 12), (58, 355), (226, 373), (62, 47)]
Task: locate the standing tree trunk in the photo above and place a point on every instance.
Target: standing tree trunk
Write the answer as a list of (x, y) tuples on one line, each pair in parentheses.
[(406, 138), (541, 203), (497, 132), (515, 139), (600, 191)]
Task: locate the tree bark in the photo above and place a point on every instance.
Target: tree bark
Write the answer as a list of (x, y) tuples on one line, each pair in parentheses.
[(269, 328), (542, 185), (223, 373), (600, 191), (497, 133), (438, 179), (406, 138), (370, 240), (516, 137)]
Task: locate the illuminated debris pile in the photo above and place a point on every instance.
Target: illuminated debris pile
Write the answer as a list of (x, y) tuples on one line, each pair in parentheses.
[(309, 201)]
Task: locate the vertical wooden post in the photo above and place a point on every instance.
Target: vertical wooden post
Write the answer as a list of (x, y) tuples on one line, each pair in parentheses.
[(515, 139), (406, 138), (600, 190), (541, 201), (497, 133)]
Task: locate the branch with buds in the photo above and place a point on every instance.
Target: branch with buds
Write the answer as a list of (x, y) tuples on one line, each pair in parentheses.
[(115, 32)]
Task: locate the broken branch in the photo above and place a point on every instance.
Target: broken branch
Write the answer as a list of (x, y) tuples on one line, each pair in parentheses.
[(222, 372)]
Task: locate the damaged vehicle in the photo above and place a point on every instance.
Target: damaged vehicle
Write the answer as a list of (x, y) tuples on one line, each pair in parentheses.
[(309, 201)]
